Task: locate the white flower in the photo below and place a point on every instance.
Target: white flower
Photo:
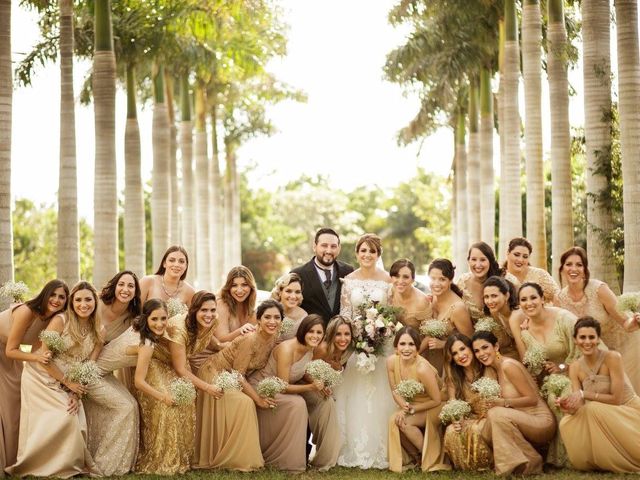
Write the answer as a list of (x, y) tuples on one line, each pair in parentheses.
[(365, 363), (371, 313), (370, 329), (379, 323)]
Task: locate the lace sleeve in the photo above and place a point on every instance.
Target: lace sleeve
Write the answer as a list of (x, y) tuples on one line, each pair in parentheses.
[(346, 309), (548, 284)]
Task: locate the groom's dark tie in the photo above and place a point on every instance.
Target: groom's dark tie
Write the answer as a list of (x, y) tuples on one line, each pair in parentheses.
[(327, 282)]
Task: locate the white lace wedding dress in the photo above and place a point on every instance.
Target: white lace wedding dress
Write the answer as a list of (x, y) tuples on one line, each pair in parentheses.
[(363, 400)]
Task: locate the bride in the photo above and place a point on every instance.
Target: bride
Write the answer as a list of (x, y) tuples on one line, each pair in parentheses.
[(363, 400)]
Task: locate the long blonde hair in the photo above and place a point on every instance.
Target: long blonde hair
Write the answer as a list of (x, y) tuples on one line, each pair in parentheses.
[(74, 322)]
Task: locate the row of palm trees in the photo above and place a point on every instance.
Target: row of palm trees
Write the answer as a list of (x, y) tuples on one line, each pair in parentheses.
[(457, 46), (202, 64)]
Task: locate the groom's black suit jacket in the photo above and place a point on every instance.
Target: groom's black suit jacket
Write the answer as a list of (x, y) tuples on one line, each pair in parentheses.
[(314, 298)]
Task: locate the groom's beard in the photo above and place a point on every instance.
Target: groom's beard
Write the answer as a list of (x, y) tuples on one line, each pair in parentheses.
[(326, 263)]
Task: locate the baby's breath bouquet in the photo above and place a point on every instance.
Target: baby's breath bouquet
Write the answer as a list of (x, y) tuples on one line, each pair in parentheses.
[(271, 386), (226, 381), (182, 391), (487, 387), (286, 326), (454, 411), (555, 384), (15, 291), (321, 370), (53, 340), (86, 373), (434, 328), (408, 389), (175, 307), (534, 359), (485, 324), (629, 302)]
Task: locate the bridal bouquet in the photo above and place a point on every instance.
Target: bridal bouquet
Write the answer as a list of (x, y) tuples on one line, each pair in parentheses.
[(534, 359), (53, 340), (454, 411), (487, 387), (434, 328), (182, 391), (408, 389), (175, 307), (85, 373), (321, 370), (485, 324), (15, 291), (226, 381)]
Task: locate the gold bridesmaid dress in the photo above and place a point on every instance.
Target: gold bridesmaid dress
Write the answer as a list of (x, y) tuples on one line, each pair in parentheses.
[(600, 436), (432, 456), (52, 442)]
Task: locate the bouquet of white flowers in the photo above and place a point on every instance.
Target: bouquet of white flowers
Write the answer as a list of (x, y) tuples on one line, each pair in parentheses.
[(271, 386), (487, 387), (182, 391), (321, 370), (15, 291), (176, 307), (454, 411), (53, 340), (286, 326), (629, 302), (226, 381), (86, 373), (534, 359), (485, 324), (408, 389), (556, 385), (434, 328)]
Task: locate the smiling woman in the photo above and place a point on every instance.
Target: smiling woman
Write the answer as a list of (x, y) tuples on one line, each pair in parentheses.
[(169, 280)]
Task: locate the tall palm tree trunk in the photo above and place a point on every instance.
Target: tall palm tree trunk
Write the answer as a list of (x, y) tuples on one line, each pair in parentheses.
[(216, 225), (234, 239), (188, 188), (6, 102), (105, 196), (487, 194), (228, 214), (462, 224), (174, 215), (629, 107), (68, 255), (502, 236), (561, 202), (532, 71), (160, 181), (203, 238), (134, 226), (597, 111), (473, 166), (510, 177)]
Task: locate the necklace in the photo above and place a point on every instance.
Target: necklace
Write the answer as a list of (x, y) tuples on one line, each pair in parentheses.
[(164, 288)]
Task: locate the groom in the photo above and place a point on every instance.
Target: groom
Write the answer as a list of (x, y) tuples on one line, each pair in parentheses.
[(321, 276)]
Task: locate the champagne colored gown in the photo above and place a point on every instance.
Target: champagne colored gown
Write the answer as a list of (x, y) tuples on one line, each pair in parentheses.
[(112, 413), (227, 429), (466, 449), (476, 310), (10, 378), (283, 430), (166, 432), (52, 442), (540, 276), (436, 356), (112, 331), (600, 436), (432, 456), (514, 433), (613, 334)]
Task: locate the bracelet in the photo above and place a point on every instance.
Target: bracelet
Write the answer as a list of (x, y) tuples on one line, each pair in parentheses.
[(581, 394)]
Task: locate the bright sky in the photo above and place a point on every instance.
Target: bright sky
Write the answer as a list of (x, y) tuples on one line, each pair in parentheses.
[(346, 130)]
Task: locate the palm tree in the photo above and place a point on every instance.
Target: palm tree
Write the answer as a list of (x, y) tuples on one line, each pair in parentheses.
[(629, 107), (68, 255), (531, 72), (561, 211), (160, 181), (216, 225), (597, 112), (105, 197), (511, 208), (462, 226), (487, 195), (502, 236), (203, 239), (6, 101), (174, 216), (187, 191), (134, 225), (473, 166)]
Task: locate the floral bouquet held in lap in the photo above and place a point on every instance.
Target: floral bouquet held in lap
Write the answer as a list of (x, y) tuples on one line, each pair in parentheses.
[(321, 370), (373, 324), (408, 389)]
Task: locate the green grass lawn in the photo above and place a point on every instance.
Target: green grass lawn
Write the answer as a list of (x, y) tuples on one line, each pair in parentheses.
[(340, 473)]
